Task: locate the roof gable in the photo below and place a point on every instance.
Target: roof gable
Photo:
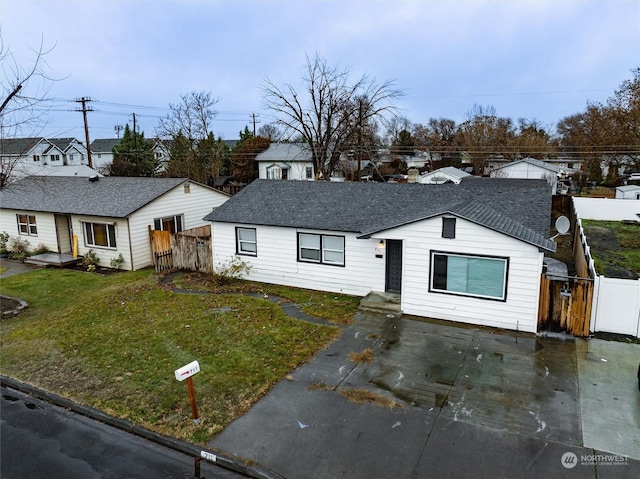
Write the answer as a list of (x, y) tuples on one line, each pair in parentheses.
[(519, 208), (530, 161)]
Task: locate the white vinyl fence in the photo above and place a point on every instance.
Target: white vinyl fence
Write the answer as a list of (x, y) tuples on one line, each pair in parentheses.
[(616, 306), (616, 302)]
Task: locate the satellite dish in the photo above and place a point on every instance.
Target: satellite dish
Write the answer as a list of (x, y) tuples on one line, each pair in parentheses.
[(562, 225)]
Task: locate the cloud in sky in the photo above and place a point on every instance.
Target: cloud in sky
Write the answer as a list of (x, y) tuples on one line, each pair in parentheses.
[(538, 59)]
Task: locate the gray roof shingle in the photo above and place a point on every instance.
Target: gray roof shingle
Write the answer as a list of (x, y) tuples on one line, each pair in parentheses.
[(515, 207), (112, 196)]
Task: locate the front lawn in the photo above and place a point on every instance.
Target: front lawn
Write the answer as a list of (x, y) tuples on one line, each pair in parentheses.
[(113, 342)]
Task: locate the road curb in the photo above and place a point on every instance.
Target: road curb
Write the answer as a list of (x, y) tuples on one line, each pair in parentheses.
[(228, 462)]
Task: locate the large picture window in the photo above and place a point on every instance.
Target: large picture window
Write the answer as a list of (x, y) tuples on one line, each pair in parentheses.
[(27, 225), (173, 224), (246, 242), (102, 235), (326, 249), (479, 276)]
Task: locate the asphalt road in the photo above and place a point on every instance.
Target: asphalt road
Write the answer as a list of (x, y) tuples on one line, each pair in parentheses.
[(40, 440)]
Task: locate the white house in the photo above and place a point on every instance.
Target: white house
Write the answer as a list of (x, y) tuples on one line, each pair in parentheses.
[(285, 161), (20, 157), (109, 215), (448, 174), (471, 252), (529, 168), (628, 192)]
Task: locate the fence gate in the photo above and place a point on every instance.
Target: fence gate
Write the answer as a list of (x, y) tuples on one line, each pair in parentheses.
[(565, 305), (161, 250), (189, 249)]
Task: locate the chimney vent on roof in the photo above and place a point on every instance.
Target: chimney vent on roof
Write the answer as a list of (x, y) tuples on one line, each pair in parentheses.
[(94, 178)]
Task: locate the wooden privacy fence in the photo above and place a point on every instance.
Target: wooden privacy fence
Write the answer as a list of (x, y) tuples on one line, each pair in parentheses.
[(189, 249), (565, 305)]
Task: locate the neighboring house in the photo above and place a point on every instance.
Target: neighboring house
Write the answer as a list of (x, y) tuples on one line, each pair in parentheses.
[(628, 192), (529, 168), (285, 161), (448, 174), (109, 215), (471, 252), (22, 157), (102, 153)]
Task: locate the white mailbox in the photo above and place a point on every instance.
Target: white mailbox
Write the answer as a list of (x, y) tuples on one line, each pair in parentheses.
[(187, 371)]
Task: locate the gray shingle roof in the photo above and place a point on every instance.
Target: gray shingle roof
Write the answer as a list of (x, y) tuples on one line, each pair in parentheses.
[(285, 152), (515, 207), (112, 196), (104, 145)]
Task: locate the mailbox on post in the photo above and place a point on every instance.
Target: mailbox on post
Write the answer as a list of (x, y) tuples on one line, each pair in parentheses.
[(186, 372)]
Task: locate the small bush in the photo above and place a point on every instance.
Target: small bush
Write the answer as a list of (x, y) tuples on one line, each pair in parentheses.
[(117, 262), (41, 249), (90, 260), (4, 240), (20, 249), (229, 271)]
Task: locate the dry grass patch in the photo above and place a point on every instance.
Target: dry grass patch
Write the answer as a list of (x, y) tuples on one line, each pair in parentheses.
[(321, 386), (365, 396), (364, 357)]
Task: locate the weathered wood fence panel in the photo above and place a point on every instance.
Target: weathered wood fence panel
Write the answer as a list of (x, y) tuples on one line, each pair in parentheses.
[(161, 252), (190, 250), (565, 305)]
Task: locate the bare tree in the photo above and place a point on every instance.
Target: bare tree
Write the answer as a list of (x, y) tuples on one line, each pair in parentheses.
[(270, 131), (323, 116), (195, 153), (193, 117), (24, 105)]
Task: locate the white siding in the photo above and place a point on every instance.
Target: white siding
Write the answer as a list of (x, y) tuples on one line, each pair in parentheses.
[(194, 206), (528, 171), (276, 261), (44, 221), (105, 255), (297, 170), (519, 311)]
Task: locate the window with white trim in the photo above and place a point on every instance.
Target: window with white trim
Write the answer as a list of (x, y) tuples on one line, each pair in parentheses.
[(27, 225), (173, 224), (54, 157), (325, 249), (478, 276), (246, 241), (100, 235)]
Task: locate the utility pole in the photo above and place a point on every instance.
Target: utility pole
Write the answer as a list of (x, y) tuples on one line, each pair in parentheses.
[(135, 142), (253, 117), (84, 101)]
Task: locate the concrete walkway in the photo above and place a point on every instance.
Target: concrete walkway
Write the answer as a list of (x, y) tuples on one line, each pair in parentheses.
[(473, 403), (15, 267)]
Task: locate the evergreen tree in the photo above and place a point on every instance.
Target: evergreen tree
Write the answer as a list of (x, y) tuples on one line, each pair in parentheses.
[(133, 156)]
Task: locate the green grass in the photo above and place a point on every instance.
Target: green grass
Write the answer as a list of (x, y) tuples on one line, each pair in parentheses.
[(624, 255), (113, 342)]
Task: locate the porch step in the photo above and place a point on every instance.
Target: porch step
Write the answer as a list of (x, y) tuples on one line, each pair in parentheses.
[(378, 302)]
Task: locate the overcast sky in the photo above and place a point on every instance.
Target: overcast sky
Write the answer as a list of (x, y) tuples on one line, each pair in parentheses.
[(542, 59)]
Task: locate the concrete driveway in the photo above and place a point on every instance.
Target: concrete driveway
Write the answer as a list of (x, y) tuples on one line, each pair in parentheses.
[(472, 403)]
